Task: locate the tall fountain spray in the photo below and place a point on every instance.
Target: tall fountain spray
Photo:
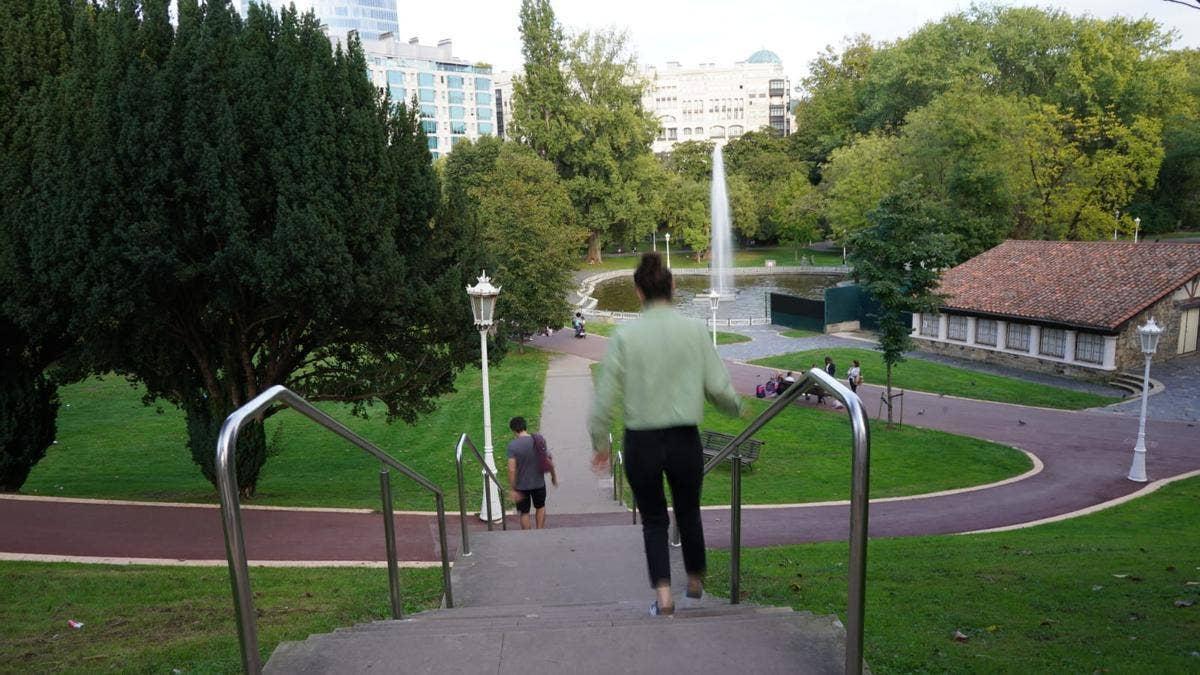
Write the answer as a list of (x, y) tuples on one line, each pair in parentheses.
[(722, 236)]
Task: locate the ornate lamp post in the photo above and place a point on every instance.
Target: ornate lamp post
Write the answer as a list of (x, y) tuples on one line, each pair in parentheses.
[(714, 299), (1149, 335), (1137, 226), (654, 241), (667, 236), (483, 305)]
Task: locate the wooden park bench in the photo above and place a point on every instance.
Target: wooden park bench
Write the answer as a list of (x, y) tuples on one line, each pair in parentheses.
[(714, 442)]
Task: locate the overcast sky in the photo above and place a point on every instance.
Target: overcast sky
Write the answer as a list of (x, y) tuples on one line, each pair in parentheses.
[(725, 31)]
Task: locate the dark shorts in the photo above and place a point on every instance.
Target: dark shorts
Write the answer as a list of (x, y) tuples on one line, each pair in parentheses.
[(538, 497)]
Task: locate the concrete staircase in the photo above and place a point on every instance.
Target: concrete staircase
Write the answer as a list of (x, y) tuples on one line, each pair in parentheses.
[(571, 599), (1131, 382)]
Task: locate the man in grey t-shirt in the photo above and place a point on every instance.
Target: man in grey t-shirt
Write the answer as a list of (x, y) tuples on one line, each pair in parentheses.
[(525, 472)]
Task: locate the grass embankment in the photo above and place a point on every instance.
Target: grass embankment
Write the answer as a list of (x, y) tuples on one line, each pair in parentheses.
[(806, 458), (164, 619), (756, 257), (111, 446), (607, 329), (1088, 595), (938, 378)]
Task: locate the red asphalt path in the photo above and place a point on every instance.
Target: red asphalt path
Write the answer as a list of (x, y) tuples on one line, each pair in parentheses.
[(1085, 455)]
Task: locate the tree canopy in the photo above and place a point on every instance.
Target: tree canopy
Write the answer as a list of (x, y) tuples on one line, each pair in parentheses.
[(225, 205)]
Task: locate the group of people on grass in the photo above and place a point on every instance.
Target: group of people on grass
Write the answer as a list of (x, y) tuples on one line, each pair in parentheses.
[(779, 384), (661, 368)]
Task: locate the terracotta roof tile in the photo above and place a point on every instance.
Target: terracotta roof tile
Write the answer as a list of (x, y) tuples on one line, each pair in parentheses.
[(1096, 284)]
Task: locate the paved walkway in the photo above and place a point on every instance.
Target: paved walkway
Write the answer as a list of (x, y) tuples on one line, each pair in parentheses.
[(1085, 454), (567, 399), (1180, 400)]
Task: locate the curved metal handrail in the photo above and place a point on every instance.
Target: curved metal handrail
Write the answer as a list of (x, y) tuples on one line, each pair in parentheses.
[(231, 510), (859, 498), (501, 488)]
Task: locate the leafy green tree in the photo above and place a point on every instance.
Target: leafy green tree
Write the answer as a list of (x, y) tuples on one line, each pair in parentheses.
[(238, 208), (579, 105), (796, 209), (898, 260), (519, 207), (685, 214), (857, 177), (828, 114), (1084, 170), (691, 159), (39, 37)]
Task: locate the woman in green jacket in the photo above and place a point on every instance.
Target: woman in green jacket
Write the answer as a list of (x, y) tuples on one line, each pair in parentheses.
[(662, 367)]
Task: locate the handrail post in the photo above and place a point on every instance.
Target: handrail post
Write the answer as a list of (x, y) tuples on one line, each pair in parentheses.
[(735, 528), (235, 546), (389, 537), (441, 513), (503, 510), (859, 504), (487, 500), (462, 506)]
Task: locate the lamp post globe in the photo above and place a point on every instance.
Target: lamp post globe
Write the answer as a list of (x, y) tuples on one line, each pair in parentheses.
[(1148, 334), (667, 238), (483, 306)]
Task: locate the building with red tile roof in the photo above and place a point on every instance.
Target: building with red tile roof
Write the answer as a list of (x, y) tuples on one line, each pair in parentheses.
[(1070, 307)]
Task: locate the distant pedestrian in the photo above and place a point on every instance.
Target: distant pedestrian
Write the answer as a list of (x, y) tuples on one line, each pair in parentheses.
[(529, 461), (854, 376), (786, 383), (662, 367), (817, 390)]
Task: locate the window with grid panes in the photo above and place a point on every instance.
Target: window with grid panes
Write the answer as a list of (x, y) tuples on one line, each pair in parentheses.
[(1017, 337), (956, 328), (1089, 348), (1053, 342), (985, 332), (929, 324)]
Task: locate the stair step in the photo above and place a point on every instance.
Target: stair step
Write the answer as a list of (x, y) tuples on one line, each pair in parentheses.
[(414, 627), (778, 643)]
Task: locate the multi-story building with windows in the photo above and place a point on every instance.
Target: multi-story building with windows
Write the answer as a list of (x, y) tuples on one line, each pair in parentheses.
[(718, 103), (455, 97), (504, 103), (370, 18)]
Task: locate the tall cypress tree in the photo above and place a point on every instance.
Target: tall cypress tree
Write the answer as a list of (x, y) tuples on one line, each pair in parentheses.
[(250, 211)]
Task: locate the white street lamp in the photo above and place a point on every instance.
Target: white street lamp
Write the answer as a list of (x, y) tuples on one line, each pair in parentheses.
[(1137, 225), (483, 305), (1149, 335), (654, 241), (667, 236), (714, 299)]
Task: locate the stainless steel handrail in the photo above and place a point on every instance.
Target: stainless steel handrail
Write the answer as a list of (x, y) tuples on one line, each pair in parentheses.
[(462, 498), (859, 495), (231, 511)]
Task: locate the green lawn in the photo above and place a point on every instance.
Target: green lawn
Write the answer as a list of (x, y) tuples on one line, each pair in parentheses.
[(783, 256), (938, 378), (1094, 594), (607, 329), (806, 458), (800, 333), (164, 619), (111, 446)]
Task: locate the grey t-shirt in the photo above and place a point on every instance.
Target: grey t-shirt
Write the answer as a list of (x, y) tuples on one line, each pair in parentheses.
[(529, 471)]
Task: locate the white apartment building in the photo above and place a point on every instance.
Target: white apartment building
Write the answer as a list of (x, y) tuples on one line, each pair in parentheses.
[(504, 103), (455, 97), (717, 103)]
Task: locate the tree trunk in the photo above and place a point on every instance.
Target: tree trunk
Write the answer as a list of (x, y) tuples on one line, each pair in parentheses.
[(889, 395), (593, 248), (204, 420)]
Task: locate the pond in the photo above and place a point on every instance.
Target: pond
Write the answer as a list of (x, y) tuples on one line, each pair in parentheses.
[(750, 302)]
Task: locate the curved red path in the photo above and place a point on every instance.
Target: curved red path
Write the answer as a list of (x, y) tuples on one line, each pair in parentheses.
[(1085, 454)]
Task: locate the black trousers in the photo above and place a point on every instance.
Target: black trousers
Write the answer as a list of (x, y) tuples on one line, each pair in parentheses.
[(676, 452)]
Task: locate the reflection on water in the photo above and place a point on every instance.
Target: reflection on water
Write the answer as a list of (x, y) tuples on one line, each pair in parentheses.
[(751, 301)]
